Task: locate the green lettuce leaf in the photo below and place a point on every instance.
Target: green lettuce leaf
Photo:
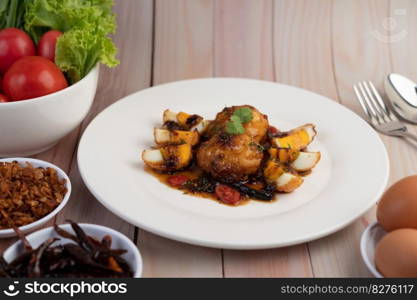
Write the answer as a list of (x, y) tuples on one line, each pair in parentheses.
[(78, 51), (86, 25)]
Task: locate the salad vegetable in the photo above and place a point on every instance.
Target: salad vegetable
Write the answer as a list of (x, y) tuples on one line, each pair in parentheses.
[(3, 98), (14, 44), (11, 13), (47, 44), (85, 24), (40, 74), (64, 38)]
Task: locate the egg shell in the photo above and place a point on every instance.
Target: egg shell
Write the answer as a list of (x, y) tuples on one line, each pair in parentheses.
[(398, 206), (396, 253)]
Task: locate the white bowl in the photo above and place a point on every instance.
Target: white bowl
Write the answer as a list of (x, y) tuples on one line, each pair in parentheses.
[(31, 126), (119, 241), (370, 238), (61, 174)]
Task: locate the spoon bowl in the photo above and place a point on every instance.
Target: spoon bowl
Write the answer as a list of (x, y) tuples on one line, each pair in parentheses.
[(402, 95)]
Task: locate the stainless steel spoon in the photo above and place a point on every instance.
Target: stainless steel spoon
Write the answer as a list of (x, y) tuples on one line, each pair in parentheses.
[(402, 95)]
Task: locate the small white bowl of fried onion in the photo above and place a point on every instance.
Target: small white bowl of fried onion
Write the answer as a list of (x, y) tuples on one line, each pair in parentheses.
[(34, 163)]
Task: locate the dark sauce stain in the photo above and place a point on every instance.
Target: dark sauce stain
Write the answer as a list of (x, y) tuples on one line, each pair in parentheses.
[(203, 186)]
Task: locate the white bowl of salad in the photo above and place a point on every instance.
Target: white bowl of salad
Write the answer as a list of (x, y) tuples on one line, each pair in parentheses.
[(50, 53)]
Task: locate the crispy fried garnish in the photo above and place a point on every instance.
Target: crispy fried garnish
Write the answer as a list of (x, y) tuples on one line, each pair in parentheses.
[(27, 193)]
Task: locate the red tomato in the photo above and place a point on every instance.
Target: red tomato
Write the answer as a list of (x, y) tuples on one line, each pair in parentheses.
[(1, 84), (46, 46), (31, 77), (227, 195), (3, 98), (177, 180), (14, 44)]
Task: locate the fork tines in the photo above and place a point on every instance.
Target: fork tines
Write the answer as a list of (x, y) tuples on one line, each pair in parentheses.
[(372, 103)]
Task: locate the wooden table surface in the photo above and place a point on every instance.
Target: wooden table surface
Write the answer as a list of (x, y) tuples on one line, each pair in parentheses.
[(321, 45)]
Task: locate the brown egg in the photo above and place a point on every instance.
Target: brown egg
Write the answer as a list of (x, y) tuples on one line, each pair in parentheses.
[(396, 253), (398, 206)]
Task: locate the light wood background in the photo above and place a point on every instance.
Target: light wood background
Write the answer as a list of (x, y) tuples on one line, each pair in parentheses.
[(320, 45)]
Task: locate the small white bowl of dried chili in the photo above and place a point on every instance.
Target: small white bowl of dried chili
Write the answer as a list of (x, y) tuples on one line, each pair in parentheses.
[(32, 192)]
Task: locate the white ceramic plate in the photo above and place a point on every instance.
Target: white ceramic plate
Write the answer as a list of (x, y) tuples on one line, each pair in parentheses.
[(349, 179)]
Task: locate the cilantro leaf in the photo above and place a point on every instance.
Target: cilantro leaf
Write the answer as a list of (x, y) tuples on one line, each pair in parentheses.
[(245, 114), (234, 118), (239, 116), (234, 126)]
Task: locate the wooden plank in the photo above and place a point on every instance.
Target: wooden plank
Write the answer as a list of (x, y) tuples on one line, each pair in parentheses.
[(169, 258), (183, 49), (282, 262), (357, 55), (62, 153), (243, 39), (183, 40), (134, 40), (302, 45), (244, 48)]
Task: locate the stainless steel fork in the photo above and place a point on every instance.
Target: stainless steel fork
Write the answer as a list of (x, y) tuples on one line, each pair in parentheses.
[(380, 116)]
